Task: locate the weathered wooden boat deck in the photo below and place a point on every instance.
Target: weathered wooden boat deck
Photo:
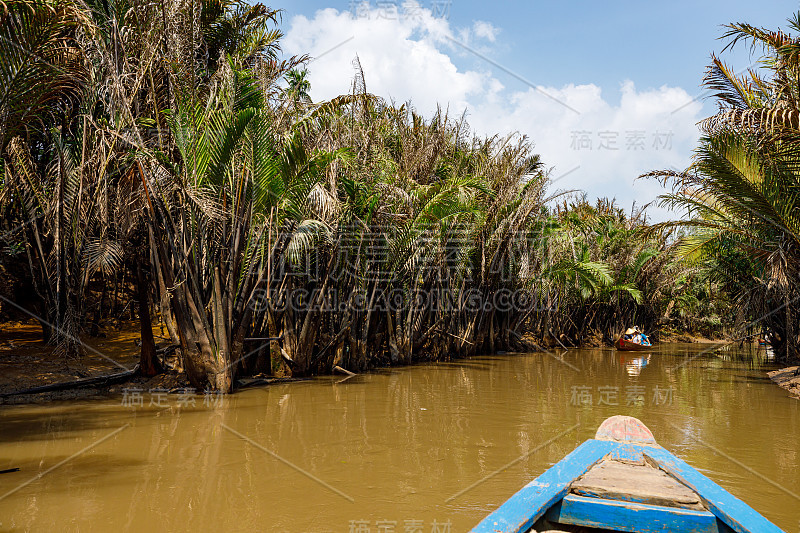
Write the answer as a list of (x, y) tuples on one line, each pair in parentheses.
[(627, 481), (642, 483)]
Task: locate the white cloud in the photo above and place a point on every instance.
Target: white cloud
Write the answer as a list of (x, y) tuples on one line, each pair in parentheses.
[(611, 144), (409, 57), (400, 58), (485, 30)]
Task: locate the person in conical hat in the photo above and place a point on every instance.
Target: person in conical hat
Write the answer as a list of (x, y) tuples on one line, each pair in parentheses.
[(630, 331), (643, 339)]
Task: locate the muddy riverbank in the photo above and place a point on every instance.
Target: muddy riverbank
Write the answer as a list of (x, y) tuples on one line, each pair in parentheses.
[(787, 378)]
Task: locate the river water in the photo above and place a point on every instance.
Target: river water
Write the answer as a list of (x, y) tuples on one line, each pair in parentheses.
[(432, 447)]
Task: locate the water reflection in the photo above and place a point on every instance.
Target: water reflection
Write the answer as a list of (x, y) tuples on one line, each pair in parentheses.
[(634, 365), (400, 442)]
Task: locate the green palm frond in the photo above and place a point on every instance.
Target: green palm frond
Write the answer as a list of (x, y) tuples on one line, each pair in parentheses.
[(628, 288), (42, 67)]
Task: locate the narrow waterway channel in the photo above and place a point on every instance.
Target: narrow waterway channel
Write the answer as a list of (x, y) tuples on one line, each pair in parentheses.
[(422, 448)]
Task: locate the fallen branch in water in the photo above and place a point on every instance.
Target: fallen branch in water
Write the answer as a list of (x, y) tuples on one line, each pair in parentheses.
[(557, 339), (337, 368), (256, 382)]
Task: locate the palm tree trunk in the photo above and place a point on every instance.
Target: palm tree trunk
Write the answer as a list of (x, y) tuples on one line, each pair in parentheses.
[(149, 365)]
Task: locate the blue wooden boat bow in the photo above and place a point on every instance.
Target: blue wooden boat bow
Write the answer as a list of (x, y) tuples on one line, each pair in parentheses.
[(588, 488)]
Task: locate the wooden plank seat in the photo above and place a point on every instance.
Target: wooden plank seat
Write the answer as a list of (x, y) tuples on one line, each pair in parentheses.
[(640, 483)]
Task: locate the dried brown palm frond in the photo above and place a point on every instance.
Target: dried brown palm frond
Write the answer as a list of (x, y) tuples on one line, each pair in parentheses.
[(102, 255), (323, 204), (22, 177), (764, 121)]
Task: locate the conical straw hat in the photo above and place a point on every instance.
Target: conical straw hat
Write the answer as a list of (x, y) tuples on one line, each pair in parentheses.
[(630, 331)]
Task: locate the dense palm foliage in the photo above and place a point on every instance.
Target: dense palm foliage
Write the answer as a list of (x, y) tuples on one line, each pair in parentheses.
[(609, 270), (173, 151), (742, 193)]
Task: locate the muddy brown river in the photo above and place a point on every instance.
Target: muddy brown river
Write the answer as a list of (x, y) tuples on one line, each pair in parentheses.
[(426, 448)]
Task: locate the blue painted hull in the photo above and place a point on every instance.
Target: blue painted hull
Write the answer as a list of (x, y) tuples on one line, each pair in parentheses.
[(548, 498)]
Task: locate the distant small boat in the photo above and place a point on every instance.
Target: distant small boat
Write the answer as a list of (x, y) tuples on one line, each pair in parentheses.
[(623, 481), (630, 346)]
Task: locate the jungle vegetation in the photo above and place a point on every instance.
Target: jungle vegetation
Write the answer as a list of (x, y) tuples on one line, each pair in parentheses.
[(166, 160)]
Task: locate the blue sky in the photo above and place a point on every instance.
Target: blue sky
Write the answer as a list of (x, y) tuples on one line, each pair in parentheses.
[(628, 72)]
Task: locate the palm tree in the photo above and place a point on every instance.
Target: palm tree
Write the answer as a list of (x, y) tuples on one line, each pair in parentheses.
[(744, 201), (742, 190), (220, 216), (299, 86), (42, 66), (755, 103), (237, 29)]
